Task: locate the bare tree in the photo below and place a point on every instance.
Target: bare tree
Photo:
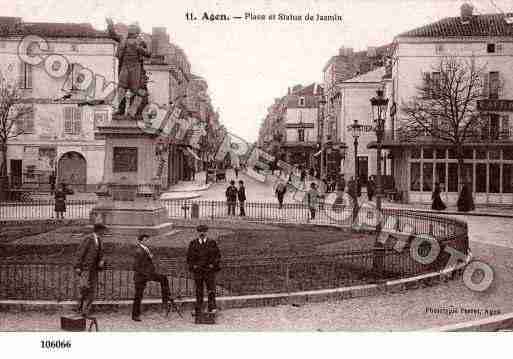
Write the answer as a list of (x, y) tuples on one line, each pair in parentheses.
[(13, 112), (445, 107)]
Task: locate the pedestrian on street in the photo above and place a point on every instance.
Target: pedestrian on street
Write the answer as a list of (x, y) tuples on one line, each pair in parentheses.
[(88, 263), (60, 200), (281, 189), (241, 196), (465, 201), (203, 258), (313, 198), (51, 180), (303, 175), (437, 204), (144, 272), (236, 169), (371, 188), (231, 198)]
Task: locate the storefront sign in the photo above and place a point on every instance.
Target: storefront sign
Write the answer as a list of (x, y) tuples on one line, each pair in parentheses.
[(299, 125), (495, 105)]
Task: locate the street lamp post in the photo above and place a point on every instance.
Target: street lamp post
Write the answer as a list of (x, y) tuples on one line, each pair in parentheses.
[(322, 105), (379, 109), (379, 106), (356, 131)]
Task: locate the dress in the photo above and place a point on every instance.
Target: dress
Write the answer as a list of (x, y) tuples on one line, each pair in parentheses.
[(438, 204), (60, 201)]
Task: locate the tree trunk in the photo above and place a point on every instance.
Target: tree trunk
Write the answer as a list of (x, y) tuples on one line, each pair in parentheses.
[(4, 180)]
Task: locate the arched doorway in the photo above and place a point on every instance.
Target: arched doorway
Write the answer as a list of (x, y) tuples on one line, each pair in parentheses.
[(72, 170)]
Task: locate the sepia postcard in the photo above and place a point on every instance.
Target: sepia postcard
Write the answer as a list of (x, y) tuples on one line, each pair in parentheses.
[(255, 166)]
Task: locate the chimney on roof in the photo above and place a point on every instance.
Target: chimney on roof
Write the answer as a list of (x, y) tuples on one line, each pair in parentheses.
[(466, 11)]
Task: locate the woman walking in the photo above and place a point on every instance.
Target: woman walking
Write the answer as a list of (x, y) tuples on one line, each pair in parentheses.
[(60, 200), (438, 204)]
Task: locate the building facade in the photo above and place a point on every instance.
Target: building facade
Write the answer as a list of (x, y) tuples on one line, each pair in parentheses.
[(59, 135), (488, 159)]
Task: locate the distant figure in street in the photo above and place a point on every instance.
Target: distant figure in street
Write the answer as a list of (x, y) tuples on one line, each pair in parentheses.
[(236, 169), (51, 180), (60, 200), (203, 258), (144, 272), (88, 263), (231, 198), (371, 188), (438, 204), (241, 196), (465, 201), (352, 190), (280, 191), (313, 198)]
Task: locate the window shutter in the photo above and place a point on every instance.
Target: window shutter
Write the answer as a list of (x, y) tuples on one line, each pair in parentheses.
[(77, 120), (486, 85), (28, 76), (21, 74), (68, 120), (29, 121), (505, 126)]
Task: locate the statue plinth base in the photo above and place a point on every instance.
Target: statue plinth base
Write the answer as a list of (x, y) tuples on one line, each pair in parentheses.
[(128, 200)]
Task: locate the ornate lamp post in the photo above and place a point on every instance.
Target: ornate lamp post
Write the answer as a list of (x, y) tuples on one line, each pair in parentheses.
[(379, 109), (356, 131), (379, 106), (322, 106)]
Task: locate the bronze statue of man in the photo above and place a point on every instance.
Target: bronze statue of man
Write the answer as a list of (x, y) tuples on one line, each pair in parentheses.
[(131, 75)]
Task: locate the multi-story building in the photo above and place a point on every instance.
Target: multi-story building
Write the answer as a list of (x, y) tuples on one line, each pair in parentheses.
[(301, 120), (488, 160), (59, 134), (340, 68), (355, 95)]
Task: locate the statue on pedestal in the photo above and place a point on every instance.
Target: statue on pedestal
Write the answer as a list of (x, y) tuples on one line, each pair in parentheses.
[(131, 53)]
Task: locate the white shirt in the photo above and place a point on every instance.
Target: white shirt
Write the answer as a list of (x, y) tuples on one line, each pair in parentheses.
[(202, 241), (146, 249)]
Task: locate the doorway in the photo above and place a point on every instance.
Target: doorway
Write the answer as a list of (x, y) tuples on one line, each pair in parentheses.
[(72, 170), (16, 173), (363, 169)]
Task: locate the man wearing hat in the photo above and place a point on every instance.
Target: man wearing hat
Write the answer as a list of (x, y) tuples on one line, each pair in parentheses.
[(88, 263), (203, 257), (144, 272)]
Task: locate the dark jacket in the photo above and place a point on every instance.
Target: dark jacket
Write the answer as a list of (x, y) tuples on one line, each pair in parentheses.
[(89, 255), (203, 258), (143, 264), (231, 194), (241, 194)]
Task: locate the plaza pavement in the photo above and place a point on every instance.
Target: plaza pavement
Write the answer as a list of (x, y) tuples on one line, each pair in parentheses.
[(415, 309)]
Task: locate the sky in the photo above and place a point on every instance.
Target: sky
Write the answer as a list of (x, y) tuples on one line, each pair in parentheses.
[(249, 63)]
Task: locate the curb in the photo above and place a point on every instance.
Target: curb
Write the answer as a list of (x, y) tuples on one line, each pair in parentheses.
[(491, 324), (455, 213), (258, 300), (191, 196)]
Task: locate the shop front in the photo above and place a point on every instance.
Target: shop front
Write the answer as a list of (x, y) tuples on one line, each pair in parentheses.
[(487, 168)]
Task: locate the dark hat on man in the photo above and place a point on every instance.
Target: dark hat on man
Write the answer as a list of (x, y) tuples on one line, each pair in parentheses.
[(202, 228)]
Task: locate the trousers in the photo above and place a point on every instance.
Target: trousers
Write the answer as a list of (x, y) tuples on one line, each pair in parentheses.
[(209, 280), (140, 285), (88, 287)]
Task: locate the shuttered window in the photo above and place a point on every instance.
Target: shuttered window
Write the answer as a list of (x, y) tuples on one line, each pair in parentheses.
[(72, 120), (25, 75)]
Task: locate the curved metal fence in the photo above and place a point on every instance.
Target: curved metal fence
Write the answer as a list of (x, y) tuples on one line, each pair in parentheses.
[(392, 258)]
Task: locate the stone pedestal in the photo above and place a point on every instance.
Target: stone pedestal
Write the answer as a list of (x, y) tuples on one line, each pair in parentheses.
[(128, 197)]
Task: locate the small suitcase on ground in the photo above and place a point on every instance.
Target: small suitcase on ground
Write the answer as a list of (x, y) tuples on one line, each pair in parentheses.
[(78, 324)]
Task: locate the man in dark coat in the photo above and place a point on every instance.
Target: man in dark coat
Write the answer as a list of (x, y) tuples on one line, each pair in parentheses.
[(144, 272), (231, 198), (203, 257), (88, 263), (241, 196)]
